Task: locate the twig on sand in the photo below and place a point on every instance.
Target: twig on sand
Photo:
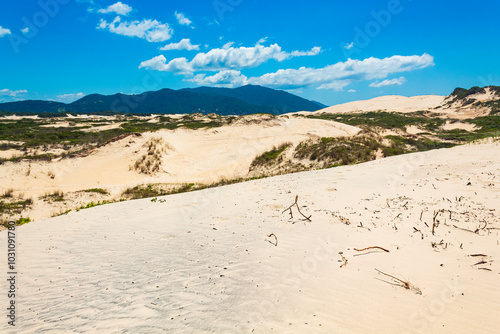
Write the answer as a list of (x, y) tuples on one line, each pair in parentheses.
[(275, 237), (467, 230), (417, 230), (344, 259), (405, 284), (298, 209), (371, 247)]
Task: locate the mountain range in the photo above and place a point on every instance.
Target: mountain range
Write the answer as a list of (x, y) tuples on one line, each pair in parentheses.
[(248, 99)]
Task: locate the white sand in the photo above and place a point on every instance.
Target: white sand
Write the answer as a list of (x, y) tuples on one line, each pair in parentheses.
[(388, 103), (199, 262), (204, 155)]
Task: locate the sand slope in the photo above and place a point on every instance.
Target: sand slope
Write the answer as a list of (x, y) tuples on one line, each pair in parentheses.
[(204, 155), (202, 262), (388, 103)]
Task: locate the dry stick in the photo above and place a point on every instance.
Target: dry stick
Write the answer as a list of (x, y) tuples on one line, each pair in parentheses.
[(275, 237), (464, 229), (434, 225), (343, 259), (417, 230), (421, 213), (298, 209), (485, 269), (371, 247), (474, 255), (406, 285)]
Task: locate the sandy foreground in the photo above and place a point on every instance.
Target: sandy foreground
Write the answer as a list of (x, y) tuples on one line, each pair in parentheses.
[(203, 261)]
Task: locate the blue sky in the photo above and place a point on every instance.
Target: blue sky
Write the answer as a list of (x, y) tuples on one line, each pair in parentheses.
[(328, 51)]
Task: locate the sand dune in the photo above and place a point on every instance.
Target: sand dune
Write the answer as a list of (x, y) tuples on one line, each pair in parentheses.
[(203, 155), (388, 103), (202, 262)]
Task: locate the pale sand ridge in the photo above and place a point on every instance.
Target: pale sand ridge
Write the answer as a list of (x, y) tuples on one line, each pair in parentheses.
[(199, 262)]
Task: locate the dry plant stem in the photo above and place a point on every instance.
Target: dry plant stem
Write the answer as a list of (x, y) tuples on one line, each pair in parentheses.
[(275, 237), (345, 261), (371, 247), (406, 285), (298, 209), (464, 229)]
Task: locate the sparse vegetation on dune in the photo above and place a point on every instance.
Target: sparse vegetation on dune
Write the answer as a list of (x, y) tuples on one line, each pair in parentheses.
[(150, 162), (270, 157)]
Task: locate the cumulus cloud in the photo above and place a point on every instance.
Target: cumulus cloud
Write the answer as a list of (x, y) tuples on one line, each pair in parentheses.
[(337, 85), (117, 8), (25, 30), (336, 76), (12, 93), (4, 31), (7, 95), (354, 70), (184, 44), (226, 78), (150, 30), (225, 58), (182, 19), (349, 46), (396, 81), (69, 97)]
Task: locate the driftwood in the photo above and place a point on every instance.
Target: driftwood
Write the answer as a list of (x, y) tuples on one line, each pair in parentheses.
[(275, 237), (371, 247), (405, 284), (298, 209)]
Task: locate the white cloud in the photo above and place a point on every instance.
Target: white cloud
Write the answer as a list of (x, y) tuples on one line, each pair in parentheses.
[(118, 8), (12, 93), (396, 81), (150, 30), (336, 76), (349, 46), (351, 91), (355, 70), (225, 58), (226, 78), (182, 19), (313, 52), (337, 85), (4, 31), (184, 44), (69, 97), (8, 95), (25, 30)]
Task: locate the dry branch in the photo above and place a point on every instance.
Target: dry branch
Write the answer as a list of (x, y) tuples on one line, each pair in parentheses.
[(344, 259), (298, 209), (404, 284), (371, 247), (464, 229), (275, 237)]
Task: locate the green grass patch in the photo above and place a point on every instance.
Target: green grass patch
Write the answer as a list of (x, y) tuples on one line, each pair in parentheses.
[(96, 190), (270, 156)]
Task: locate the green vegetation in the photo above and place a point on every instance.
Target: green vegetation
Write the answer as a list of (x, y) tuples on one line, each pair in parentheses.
[(339, 151), (56, 196), (15, 207), (155, 190), (386, 120), (271, 156), (96, 190), (91, 205)]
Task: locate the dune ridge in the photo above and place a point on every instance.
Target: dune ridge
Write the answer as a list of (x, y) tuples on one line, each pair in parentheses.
[(203, 261)]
